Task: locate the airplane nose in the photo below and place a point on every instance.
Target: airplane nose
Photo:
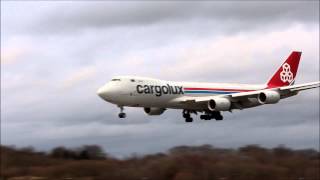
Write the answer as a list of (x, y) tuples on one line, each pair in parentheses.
[(100, 92), (105, 92)]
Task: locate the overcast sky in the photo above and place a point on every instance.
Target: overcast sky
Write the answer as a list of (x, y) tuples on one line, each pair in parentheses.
[(55, 55)]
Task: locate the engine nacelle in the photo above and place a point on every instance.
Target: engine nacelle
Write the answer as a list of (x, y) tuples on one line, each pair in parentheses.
[(268, 97), (219, 104), (154, 111)]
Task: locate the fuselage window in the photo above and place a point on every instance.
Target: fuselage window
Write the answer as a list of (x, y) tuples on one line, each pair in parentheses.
[(115, 80)]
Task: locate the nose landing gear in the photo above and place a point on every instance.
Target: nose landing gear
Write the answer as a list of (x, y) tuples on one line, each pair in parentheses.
[(122, 114)]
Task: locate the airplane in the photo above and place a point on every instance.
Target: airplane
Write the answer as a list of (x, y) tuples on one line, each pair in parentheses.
[(155, 95)]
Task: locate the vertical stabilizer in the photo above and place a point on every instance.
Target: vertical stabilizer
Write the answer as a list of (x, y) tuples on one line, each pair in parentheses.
[(287, 72)]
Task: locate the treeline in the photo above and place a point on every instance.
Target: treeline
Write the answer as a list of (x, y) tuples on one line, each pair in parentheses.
[(92, 152), (205, 162)]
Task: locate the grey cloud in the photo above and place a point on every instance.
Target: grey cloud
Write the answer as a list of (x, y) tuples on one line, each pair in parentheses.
[(66, 17)]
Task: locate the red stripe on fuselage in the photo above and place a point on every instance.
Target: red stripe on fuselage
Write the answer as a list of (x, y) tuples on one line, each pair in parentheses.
[(218, 89)]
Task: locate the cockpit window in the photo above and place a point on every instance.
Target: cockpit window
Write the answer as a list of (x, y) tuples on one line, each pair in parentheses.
[(115, 80), (132, 80)]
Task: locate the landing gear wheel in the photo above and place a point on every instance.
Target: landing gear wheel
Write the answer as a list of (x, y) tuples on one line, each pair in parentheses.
[(219, 118), (189, 119), (208, 115), (217, 115), (205, 117), (186, 115), (122, 115)]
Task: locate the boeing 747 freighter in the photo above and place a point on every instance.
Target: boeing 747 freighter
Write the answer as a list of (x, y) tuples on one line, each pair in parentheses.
[(209, 99)]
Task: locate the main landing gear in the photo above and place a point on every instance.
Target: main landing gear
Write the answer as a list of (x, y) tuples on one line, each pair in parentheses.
[(212, 115), (122, 114), (187, 116), (208, 115)]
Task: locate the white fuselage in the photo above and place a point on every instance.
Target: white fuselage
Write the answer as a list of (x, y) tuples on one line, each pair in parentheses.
[(147, 92)]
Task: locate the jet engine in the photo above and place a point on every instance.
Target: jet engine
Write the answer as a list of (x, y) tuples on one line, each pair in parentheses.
[(219, 104), (154, 111), (269, 97)]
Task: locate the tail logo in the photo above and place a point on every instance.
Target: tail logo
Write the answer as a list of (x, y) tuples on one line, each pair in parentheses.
[(286, 75)]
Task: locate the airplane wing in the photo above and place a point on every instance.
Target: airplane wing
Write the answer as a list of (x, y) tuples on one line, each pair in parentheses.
[(285, 91), (282, 90), (301, 87)]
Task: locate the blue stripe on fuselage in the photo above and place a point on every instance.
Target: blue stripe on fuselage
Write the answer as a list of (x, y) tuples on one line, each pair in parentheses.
[(209, 92)]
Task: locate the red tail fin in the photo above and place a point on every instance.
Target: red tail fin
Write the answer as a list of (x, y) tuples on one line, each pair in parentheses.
[(286, 74)]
